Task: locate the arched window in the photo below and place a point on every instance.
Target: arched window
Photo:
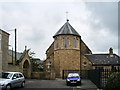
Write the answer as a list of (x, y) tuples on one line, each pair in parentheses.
[(75, 42), (56, 43), (0, 41), (65, 42)]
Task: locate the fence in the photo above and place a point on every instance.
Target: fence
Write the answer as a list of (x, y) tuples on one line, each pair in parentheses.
[(99, 76)]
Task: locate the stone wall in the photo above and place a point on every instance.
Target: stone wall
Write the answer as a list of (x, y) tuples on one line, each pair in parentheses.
[(86, 63), (14, 68), (85, 49), (43, 75), (66, 58), (1, 61), (4, 50)]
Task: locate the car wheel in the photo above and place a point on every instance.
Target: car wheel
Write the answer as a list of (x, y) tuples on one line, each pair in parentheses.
[(80, 83), (8, 87), (67, 84), (23, 84)]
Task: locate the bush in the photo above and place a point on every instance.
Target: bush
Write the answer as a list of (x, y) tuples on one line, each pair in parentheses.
[(113, 82)]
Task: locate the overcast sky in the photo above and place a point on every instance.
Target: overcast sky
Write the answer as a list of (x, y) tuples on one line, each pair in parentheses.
[(37, 22)]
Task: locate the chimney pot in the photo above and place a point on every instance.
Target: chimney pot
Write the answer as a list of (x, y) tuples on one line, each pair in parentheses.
[(110, 51)]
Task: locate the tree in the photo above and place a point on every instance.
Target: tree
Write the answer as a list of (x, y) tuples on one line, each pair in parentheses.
[(37, 64), (113, 82)]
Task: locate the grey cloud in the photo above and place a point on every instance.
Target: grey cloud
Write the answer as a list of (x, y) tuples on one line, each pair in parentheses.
[(107, 12), (38, 22)]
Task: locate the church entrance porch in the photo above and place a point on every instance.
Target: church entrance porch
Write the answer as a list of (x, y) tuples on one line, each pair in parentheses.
[(26, 69)]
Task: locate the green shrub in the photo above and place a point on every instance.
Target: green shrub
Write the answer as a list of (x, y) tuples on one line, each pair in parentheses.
[(113, 82)]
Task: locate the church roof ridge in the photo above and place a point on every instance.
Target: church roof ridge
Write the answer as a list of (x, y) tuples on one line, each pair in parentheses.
[(66, 29)]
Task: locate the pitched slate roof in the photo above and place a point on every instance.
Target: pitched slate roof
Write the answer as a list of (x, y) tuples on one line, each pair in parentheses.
[(18, 54), (67, 29), (104, 59)]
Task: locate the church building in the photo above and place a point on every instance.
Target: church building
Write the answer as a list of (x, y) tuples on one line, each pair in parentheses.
[(69, 52), (66, 51)]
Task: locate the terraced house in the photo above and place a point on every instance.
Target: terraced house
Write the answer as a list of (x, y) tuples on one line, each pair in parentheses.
[(69, 52)]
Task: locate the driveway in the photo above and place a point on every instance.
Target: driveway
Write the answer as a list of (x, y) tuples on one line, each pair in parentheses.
[(56, 85)]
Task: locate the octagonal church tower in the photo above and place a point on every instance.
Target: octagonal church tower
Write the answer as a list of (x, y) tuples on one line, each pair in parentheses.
[(65, 52)]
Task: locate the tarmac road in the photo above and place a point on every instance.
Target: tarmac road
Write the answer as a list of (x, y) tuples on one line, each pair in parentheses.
[(35, 84)]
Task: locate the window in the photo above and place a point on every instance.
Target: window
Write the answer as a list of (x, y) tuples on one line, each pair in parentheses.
[(16, 76), (20, 75), (56, 43), (0, 41), (75, 42), (5, 75), (84, 63), (65, 42)]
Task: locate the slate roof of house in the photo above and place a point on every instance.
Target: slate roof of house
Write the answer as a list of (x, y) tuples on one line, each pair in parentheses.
[(18, 54), (67, 29), (104, 59)]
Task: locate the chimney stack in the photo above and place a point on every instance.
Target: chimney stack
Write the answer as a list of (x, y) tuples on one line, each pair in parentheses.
[(110, 51)]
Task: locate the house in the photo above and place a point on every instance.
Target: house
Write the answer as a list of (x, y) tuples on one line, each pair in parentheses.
[(104, 61), (69, 52)]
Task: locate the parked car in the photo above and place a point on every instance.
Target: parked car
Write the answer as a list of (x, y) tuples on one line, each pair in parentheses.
[(73, 78), (10, 80)]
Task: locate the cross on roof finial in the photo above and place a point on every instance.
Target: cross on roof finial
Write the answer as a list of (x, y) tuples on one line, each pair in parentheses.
[(67, 16)]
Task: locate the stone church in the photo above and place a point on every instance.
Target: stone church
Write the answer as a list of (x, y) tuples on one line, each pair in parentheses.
[(69, 52)]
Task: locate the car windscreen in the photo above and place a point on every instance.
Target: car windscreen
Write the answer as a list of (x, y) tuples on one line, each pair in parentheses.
[(73, 75), (5, 75)]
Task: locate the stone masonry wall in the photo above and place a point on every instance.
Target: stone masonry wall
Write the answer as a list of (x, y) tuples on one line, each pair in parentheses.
[(4, 48), (66, 58)]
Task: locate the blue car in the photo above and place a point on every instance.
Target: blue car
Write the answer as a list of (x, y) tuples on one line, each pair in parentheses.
[(73, 78)]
